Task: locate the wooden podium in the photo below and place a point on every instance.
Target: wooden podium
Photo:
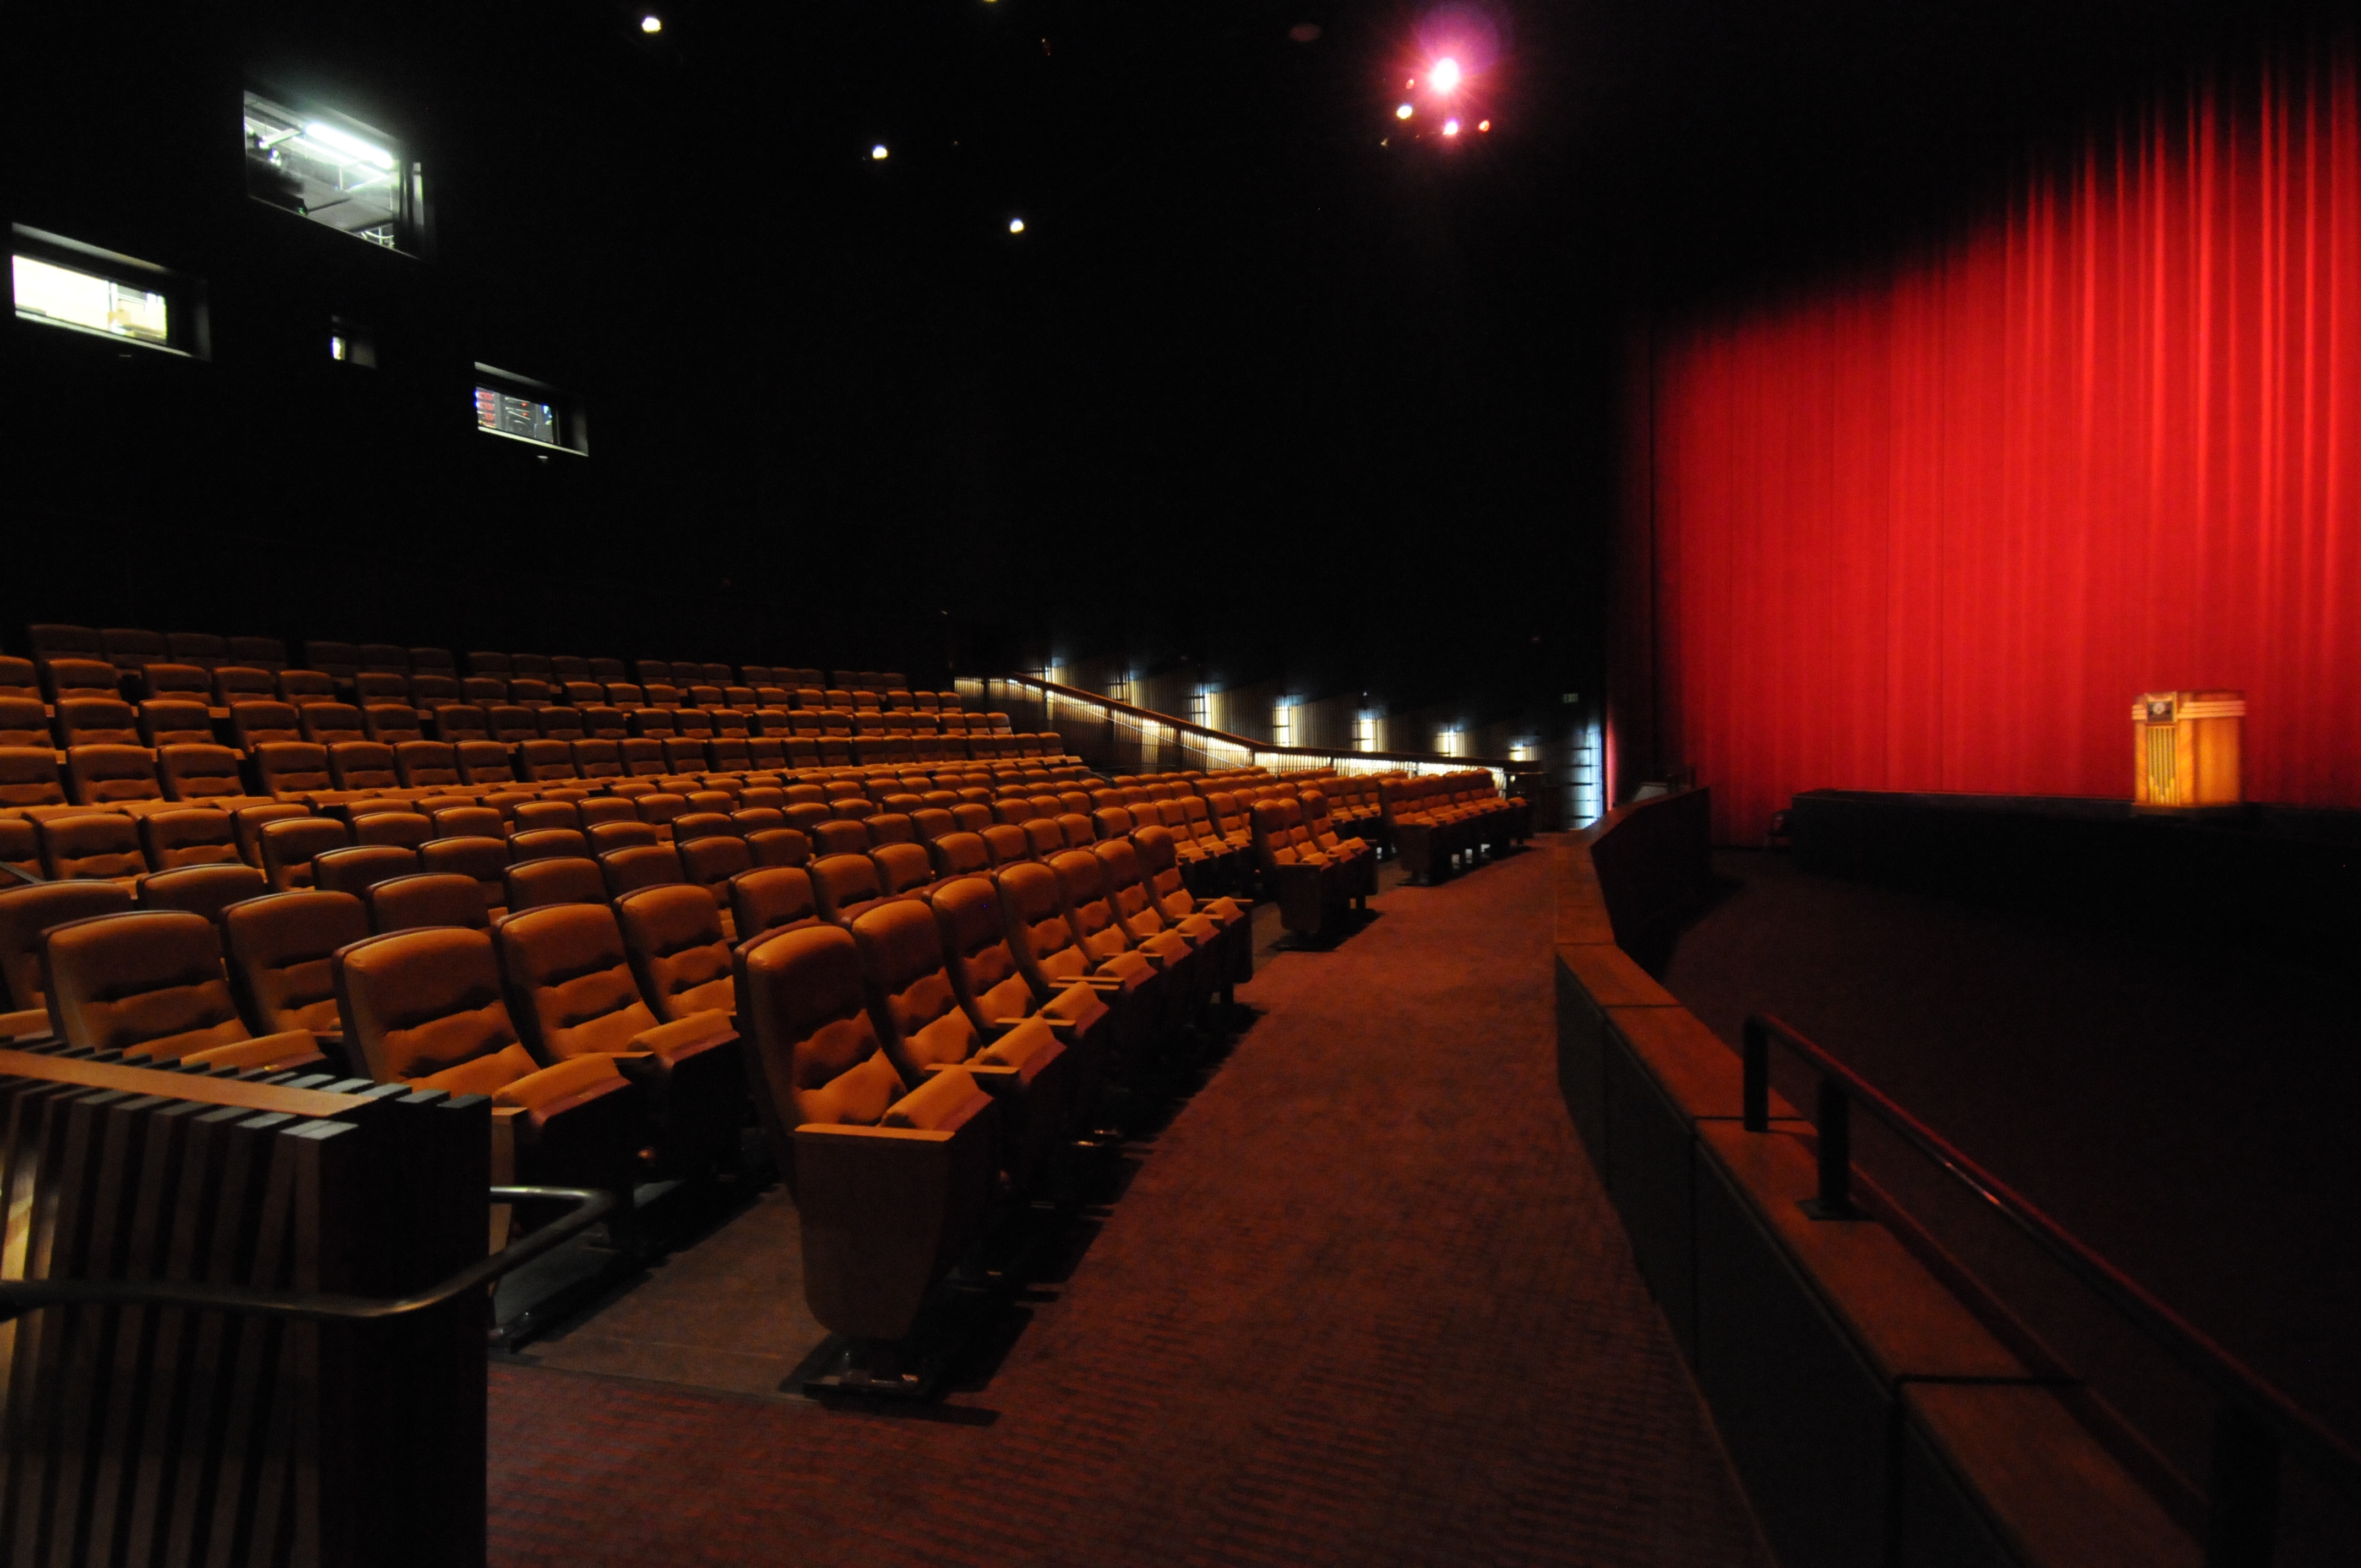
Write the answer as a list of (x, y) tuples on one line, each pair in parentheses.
[(2185, 750)]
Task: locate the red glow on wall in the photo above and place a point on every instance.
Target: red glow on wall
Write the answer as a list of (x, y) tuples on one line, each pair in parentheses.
[(1934, 529)]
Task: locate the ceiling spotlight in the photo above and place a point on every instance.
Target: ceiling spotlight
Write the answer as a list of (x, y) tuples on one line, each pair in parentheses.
[(1445, 74), (651, 24), (1017, 225), (1451, 127), (879, 152), (1402, 111), (1483, 125)]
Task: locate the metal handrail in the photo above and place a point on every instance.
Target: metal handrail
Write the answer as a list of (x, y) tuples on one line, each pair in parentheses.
[(20, 1296), (1190, 727), (2254, 1418)]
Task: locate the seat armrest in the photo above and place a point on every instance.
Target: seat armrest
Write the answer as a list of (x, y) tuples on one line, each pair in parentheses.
[(288, 1048), (30, 1025), (687, 1037)]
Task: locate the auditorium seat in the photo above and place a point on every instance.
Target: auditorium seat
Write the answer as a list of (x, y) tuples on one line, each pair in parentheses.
[(200, 889), (554, 879), (923, 1031), (202, 649), (384, 657), (533, 666), (679, 953), (537, 843), (1087, 894), (573, 994), (1311, 890), (164, 721), (20, 850), (845, 886), (893, 1183), (289, 843), (902, 869), (194, 772), (1359, 862), (26, 910), (426, 1008), (246, 822), (434, 692), (1006, 844), (96, 721), (485, 763), (1042, 941), (362, 765), (512, 724), (483, 860), (770, 899), (425, 898), (150, 984), (606, 836), (1192, 946), (565, 667), (407, 829), (605, 669), (171, 839), (65, 679), (111, 775), (375, 687), (261, 723), (355, 868), (488, 663), (709, 863), (176, 682), (779, 847), (332, 723), (392, 723), (300, 688), (642, 865)]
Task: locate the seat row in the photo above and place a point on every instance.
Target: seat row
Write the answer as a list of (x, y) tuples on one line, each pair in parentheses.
[(35, 778), (130, 649), (904, 1046), (58, 679)]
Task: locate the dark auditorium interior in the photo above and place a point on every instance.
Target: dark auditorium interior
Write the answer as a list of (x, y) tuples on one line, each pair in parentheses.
[(1008, 782)]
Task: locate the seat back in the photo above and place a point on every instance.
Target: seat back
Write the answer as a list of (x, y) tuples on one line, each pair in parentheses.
[(203, 889), (291, 767), (1041, 935), (356, 868), (485, 762), (844, 886), (101, 844), (554, 879), (483, 860), (418, 1003), (97, 721), (28, 909), (814, 1040), (569, 982), (194, 838), (258, 723), (542, 842), (1127, 883), (644, 865), (606, 836), (280, 947), (919, 1020), (1090, 904), (103, 775), (247, 823), (424, 765), (978, 953), (147, 982), (332, 723), (425, 898), (772, 898), (709, 863), (198, 772), (680, 954), (289, 844), (408, 829), (958, 855)]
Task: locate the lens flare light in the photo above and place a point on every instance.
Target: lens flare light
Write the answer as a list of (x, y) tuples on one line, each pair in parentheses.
[(1403, 111), (1451, 127), (651, 24), (1445, 75)]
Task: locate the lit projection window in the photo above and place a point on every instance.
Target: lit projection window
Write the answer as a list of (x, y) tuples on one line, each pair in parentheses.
[(1283, 723), (331, 169), (1365, 733), (71, 297), (523, 410), (62, 282)]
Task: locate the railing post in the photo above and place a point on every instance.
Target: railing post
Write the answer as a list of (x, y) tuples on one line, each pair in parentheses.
[(2242, 1492), (1754, 1054), (1834, 1200)]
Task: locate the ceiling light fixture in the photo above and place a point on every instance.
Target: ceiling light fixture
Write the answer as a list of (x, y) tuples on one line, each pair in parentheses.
[(651, 24), (879, 152), (1451, 127), (1017, 225), (1444, 76), (350, 146), (1403, 111)]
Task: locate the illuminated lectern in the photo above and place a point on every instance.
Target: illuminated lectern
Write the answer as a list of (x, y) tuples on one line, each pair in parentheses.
[(2185, 750)]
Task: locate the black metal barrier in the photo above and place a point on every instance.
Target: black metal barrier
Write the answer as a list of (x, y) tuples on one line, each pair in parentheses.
[(2254, 1422)]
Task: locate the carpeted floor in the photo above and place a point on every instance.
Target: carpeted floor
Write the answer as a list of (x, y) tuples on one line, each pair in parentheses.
[(1362, 1302)]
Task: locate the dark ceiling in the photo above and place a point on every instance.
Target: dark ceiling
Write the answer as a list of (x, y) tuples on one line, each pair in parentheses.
[(1271, 381)]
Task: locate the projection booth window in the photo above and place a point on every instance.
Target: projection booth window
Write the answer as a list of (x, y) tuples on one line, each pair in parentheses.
[(333, 170)]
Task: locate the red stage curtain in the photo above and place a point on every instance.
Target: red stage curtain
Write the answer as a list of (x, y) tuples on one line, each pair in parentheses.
[(1935, 528)]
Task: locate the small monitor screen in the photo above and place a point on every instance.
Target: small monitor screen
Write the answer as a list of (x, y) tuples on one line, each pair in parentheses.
[(505, 413), (47, 291)]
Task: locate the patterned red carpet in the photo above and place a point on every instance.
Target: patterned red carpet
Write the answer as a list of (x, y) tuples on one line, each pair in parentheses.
[(1362, 1303)]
